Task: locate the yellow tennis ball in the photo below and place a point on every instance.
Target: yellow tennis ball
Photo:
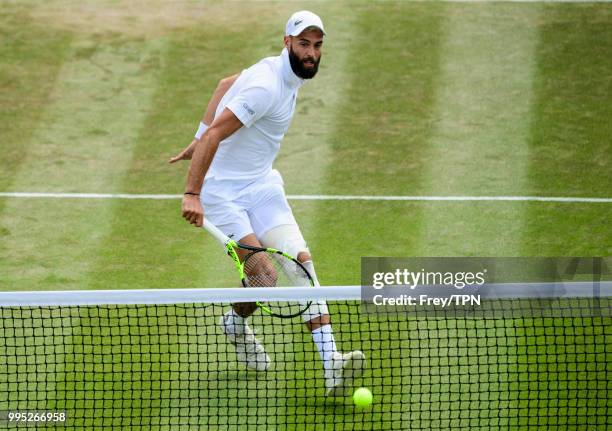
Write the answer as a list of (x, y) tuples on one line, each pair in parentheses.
[(362, 397)]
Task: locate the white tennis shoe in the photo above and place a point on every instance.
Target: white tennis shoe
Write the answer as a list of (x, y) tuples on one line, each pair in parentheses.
[(249, 351), (345, 368)]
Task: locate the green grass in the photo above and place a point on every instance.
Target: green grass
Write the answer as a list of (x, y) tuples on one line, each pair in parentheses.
[(71, 125), (422, 98)]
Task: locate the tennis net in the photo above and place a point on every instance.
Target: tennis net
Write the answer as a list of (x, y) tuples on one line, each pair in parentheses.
[(159, 360)]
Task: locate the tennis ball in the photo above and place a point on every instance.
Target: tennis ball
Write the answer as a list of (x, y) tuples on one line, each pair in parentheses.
[(362, 397)]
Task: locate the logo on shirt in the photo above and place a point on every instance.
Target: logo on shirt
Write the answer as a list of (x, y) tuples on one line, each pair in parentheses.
[(248, 109), (298, 22)]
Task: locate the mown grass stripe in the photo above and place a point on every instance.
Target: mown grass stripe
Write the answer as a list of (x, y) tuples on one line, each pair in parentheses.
[(570, 137), (32, 55), (85, 138), (483, 97)]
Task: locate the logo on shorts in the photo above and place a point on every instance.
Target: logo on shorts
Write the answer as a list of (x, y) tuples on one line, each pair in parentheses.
[(248, 109)]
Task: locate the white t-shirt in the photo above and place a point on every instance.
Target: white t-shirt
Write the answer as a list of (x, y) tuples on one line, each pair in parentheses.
[(263, 98)]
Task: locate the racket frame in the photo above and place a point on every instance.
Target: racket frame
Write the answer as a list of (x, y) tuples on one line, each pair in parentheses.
[(231, 245)]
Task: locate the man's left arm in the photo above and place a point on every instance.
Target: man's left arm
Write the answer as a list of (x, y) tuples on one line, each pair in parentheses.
[(209, 115)]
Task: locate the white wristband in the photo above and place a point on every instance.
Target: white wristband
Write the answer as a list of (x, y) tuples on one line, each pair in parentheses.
[(201, 129)]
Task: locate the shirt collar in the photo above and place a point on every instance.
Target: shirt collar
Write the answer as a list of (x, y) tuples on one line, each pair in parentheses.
[(289, 76)]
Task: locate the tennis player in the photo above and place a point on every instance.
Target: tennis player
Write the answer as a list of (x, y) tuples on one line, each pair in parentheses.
[(231, 179)]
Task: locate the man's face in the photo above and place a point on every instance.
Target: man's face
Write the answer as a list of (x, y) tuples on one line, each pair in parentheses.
[(305, 52)]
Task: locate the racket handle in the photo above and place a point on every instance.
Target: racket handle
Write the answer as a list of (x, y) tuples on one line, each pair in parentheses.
[(214, 231)]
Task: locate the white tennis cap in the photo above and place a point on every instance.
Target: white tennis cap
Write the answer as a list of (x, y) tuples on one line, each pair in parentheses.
[(300, 21)]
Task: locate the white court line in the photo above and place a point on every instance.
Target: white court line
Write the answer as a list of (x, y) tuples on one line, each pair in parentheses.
[(510, 1), (320, 197)]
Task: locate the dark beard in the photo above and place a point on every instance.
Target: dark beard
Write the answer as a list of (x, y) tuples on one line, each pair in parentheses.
[(298, 66)]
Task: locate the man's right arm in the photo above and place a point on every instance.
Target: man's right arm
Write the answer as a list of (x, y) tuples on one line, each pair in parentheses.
[(204, 151), (245, 108)]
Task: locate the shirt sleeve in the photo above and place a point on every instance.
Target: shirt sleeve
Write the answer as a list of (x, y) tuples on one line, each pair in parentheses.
[(251, 103)]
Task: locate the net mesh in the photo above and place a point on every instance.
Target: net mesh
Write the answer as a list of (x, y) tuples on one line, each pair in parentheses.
[(171, 367)]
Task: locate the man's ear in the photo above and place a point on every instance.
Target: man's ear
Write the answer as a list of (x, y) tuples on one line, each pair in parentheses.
[(287, 41)]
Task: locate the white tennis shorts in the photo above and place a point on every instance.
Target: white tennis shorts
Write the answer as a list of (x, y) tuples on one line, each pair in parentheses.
[(242, 207)]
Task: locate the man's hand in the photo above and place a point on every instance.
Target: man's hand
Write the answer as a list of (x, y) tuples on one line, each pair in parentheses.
[(185, 154), (192, 210)]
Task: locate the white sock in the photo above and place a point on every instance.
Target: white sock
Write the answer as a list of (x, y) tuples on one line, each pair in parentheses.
[(234, 319), (326, 345)]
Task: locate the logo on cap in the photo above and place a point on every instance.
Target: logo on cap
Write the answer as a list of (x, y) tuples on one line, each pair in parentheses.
[(298, 22)]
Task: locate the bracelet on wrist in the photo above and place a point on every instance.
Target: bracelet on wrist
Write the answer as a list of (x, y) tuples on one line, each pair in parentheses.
[(190, 193)]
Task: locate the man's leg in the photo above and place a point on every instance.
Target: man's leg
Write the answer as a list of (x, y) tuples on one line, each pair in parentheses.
[(249, 350), (275, 226), (340, 369), (245, 309)]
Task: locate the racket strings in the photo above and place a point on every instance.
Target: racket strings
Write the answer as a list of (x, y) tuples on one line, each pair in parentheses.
[(263, 269), (270, 270)]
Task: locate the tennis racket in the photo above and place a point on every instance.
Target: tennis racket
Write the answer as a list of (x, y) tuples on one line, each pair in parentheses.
[(266, 267)]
